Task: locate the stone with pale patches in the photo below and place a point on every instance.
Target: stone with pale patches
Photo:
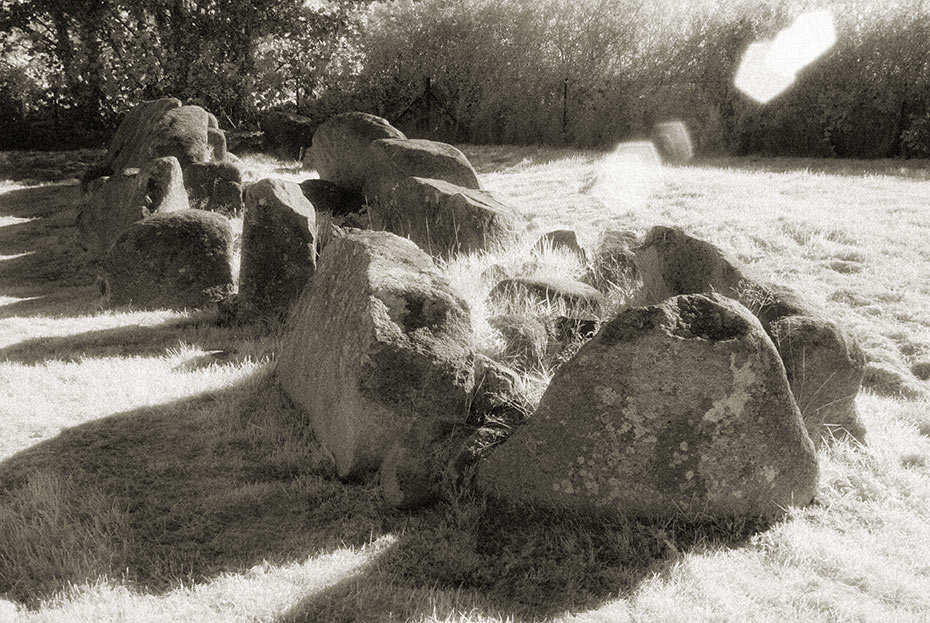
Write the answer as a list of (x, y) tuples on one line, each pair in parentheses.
[(725, 439)]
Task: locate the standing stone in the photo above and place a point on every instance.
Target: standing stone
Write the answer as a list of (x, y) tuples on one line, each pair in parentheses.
[(182, 133), (678, 408), (379, 343), (286, 134), (129, 145), (216, 139), (825, 371), (278, 247), (671, 262), (397, 159), (116, 202), (176, 260), (444, 219), (340, 148)]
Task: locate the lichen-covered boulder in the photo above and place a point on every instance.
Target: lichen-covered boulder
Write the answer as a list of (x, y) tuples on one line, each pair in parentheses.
[(825, 370), (443, 218), (114, 203), (182, 133), (679, 408), (176, 260), (378, 342), (279, 247), (340, 148), (129, 145), (397, 159), (671, 262)]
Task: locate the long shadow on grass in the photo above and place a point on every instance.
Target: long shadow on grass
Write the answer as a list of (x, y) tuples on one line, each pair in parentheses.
[(45, 267), (138, 340), (178, 492), (490, 561)]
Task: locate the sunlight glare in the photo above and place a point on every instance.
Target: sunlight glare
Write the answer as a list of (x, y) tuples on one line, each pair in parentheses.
[(769, 68), (628, 174), (674, 141)]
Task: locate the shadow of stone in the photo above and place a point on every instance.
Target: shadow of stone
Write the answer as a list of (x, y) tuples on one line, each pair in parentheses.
[(45, 266), (513, 564), (199, 329), (179, 492)]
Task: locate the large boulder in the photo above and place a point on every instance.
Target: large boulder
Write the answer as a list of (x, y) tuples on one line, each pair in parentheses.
[(709, 426), (287, 134), (182, 133), (279, 247), (443, 218), (129, 145), (670, 262), (564, 240), (377, 343), (825, 370), (613, 263), (114, 203), (176, 260), (397, 159), (341, 148)]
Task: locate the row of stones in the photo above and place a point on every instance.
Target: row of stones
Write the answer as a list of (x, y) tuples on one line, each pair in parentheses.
[(684, 405)]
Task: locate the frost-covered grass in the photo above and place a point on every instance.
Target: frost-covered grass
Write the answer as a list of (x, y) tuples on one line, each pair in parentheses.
[(151, 471)]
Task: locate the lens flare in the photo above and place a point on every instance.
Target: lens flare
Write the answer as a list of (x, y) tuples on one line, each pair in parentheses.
[(626, 176), (673, 141), (769, 68)]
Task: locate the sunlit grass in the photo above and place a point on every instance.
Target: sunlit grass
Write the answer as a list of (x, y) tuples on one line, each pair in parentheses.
[(150, 470)]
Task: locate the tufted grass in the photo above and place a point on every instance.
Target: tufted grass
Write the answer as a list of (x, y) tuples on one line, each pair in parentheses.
[(151, 471)]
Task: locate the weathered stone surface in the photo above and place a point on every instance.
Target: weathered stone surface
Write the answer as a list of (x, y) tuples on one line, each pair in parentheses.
[(379, 342), (444, 219), (175, 260), (562, 240), (577, 296), (327, 197), (825, 370), (182, 133), (202, 178), (394, 160), (414, 467), (216, 139), (287, 133), (129, 145), (114, 203), (340, 148), (671, 262), (527, 338), (709, 426), (278, 247)]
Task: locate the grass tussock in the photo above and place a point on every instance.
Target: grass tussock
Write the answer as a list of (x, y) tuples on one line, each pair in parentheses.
[(150, 469)]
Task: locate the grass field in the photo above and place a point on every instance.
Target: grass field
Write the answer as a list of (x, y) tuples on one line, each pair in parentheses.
[(151, 471)]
